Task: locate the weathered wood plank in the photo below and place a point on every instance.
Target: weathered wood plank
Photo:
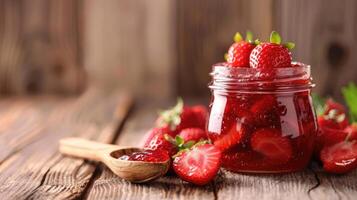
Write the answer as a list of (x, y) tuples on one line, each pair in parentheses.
[(324, 32), (108, 186), (335, 186), (23, 121), (38, 171), (247, 186)]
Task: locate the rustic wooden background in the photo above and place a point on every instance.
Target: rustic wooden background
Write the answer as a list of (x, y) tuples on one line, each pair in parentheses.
[(159, 49)]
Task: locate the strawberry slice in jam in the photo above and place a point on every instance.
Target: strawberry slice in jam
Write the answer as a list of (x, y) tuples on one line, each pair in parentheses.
[(271, 144), (231, 138)]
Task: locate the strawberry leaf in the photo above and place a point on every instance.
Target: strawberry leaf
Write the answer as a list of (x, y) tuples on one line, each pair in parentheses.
[(179, 141), (275, 37), (319, 104), (350, 95), (249, 36), (237, 37), (188, 144), (289, 45), (172, 117), (226, 56)]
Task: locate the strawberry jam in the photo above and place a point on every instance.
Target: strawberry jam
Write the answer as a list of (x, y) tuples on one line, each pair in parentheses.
[(147, 156), (262, 119)]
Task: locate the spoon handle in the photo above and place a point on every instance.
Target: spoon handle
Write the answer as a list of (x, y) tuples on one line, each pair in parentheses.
[(83, 148)]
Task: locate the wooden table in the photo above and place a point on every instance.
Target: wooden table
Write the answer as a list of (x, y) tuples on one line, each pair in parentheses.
[(32, 168)]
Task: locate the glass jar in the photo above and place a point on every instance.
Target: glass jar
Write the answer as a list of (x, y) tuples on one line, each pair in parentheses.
[(262, 120)]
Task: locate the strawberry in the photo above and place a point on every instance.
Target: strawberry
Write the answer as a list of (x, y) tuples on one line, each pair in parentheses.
[(157, 140), (271, 55), (333, 105), (231, 138), (193, 134), (333, 119), (238, 53), (340, 158), (201, 115), (351, 131), (199, 164), (272, 144), (180, 117)]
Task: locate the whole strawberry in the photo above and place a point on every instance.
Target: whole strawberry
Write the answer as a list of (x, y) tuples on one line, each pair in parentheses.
[(180, 117), (272, 54), (157, 139), (193, 134), (239, 52)]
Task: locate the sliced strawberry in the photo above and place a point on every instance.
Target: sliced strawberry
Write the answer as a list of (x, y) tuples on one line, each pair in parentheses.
[(231, 138), (265, 111), (198, 165), (340, 158), (193, 134), (156, 140), (263, 105), (272, 144)]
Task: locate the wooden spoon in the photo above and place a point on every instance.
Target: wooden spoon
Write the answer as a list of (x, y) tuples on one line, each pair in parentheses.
[(134, 171)]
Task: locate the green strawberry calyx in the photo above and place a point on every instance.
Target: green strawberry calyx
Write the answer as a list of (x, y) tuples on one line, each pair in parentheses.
[(276, 39), (172, 116)]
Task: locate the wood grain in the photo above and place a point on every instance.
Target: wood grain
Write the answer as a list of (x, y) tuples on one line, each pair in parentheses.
[(40, 47), (324, 33), (246, 186), (38, 171), (108, 186), (205, 30)]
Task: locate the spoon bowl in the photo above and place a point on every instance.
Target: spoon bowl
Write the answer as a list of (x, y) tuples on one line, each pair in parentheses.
[(133, 171)]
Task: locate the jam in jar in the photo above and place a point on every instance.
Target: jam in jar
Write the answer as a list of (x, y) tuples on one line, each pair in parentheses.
[(262, 120)]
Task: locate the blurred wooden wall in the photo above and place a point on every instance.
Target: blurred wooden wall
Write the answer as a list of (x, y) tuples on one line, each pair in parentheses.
[(40, 47), (159, 49)]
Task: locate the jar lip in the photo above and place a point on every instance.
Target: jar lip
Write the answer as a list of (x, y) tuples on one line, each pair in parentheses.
[(256, 74), (297, 77)]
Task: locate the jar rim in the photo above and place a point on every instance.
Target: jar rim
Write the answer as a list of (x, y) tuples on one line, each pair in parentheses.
[(243, 79)]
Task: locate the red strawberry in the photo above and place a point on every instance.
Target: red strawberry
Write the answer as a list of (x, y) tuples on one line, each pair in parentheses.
[(351, 132), (333, 105), (201, 114), (340, 158), (181, 117), (193, 134), (271, 55), (264, 104), (231, 138), (198, 165), (272, 144), (238, 53), (156, 140), (333, 119)]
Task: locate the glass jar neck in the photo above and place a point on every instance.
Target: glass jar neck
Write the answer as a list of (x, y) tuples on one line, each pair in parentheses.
[(251, 80)]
